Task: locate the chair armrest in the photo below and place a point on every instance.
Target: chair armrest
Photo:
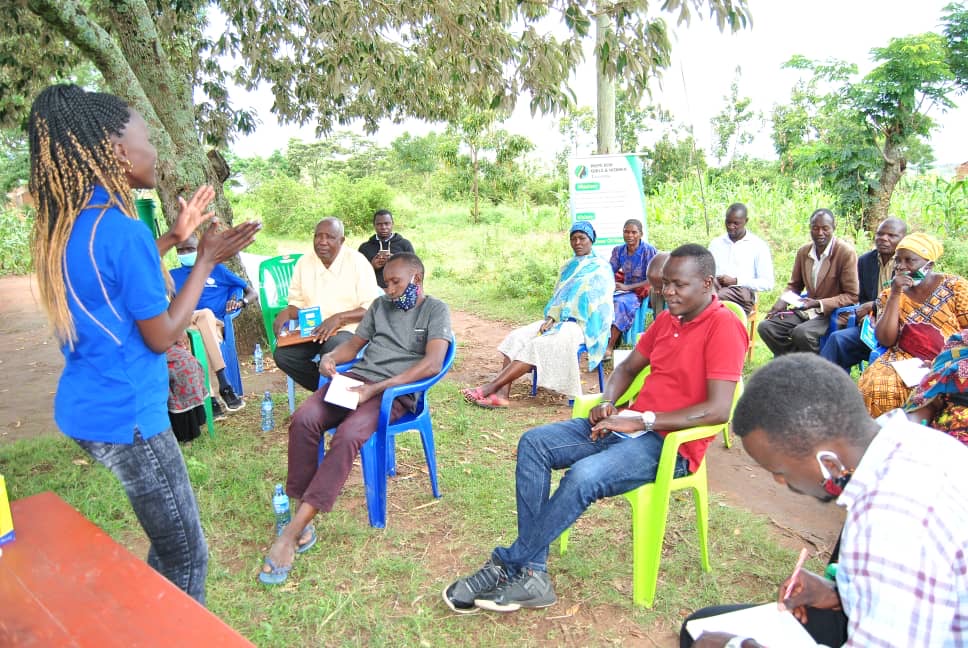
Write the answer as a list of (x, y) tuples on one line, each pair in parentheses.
[(583, 405), (835, 317)]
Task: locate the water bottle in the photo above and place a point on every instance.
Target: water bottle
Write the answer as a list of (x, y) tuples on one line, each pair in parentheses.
[(267, 422), (258, 358), (280, 505)]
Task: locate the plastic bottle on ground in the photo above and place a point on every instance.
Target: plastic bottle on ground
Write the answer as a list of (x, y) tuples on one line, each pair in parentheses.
[(267, 421), (280, 505), (259, 361)]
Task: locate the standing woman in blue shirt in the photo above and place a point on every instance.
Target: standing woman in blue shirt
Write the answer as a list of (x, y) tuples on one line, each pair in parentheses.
[(103, 286)]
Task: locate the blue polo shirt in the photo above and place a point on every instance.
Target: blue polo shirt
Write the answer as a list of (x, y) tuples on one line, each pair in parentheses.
[(218, 287), (112, 382)]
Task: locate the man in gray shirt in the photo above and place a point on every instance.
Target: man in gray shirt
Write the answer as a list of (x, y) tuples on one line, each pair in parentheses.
[(406, 334)]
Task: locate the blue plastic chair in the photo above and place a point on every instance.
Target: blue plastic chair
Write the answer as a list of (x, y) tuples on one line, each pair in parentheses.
[(639, 324), (378, 454), (581, 349), (834, 324)]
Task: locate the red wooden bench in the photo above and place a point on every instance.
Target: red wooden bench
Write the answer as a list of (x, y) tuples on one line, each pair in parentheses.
[(65, 582)]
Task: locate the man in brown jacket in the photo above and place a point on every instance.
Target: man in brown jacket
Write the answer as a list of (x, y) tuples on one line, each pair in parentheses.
[(827, 268)]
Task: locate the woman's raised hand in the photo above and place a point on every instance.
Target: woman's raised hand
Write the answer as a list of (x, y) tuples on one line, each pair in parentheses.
[(192, 213), (219, 244)]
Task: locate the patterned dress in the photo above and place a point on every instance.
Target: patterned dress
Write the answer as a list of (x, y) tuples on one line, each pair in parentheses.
[(946, 309), (632, 267), (186, 393)]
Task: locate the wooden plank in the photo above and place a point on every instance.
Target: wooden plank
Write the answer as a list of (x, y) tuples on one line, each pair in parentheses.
[(64, 582)]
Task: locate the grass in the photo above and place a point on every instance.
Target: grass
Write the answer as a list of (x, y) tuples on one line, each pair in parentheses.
[(367, 586)]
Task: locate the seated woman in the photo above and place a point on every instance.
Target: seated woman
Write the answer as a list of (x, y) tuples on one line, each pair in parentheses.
[(579, 312), (941, 400), (186, 393), (914, 317), (629, 263)]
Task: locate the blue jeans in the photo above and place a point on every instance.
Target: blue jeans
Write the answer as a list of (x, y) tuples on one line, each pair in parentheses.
[(844, 348), (155, 479), (596, 469)]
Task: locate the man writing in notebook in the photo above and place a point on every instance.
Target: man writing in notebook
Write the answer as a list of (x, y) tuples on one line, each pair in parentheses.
[(902, 576)]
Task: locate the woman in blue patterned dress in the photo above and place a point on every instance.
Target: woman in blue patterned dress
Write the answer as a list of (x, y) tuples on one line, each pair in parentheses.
[(629, 263), (579, 312)]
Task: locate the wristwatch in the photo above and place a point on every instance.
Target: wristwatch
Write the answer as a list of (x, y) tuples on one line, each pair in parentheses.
[(245, 302), (648, 417), (735, 642)]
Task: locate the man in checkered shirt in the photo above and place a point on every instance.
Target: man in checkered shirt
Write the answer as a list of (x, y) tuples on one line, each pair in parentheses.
[(902, 579)]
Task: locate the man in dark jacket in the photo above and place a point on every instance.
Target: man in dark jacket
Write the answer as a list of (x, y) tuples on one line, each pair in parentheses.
[(384, 244), (875, 269)]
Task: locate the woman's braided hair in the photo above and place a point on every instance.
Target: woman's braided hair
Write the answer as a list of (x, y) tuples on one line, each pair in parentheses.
[(70, 133)]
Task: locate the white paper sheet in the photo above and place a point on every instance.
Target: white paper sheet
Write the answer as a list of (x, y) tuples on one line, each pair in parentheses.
[(619, 356), (911, 370), (632, 414), (339, 392), (792, 299), (765, 623)]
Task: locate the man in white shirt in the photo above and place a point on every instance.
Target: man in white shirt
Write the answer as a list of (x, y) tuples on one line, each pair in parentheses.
[(744, 265), (341, 282)]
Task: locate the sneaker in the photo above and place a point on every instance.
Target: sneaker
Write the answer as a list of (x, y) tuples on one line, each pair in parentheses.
[(217, 413), (232, 401), (529, 589), (459, 595)]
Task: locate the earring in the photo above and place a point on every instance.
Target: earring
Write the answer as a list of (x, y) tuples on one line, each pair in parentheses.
[(128, 166)]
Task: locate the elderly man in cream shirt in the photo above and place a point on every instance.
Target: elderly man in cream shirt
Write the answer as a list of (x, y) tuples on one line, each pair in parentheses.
[(341, 282)]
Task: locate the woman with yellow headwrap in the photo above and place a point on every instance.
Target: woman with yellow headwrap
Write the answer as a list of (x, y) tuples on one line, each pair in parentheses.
[(915, 315)]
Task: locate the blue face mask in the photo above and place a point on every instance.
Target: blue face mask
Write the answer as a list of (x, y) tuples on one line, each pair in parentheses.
[(408, 299), (188, 259)]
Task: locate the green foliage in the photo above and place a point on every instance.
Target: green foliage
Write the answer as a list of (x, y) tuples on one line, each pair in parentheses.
[(14, 160), (858, 136), (15, 230), (672, 161), (285, 206), (732, 124), (355, 201)]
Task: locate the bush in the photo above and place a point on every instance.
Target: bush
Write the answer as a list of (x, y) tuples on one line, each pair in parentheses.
[(355, 201), (15, 242), (285, 206)]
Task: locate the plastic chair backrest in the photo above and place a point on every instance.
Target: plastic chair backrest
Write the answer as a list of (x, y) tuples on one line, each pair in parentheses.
[(198, 350), (275, 274), (737, 311)]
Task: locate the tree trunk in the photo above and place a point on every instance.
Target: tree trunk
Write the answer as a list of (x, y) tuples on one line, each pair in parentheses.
[(475, 186), (606, 93), (879, 198), (136, 69)]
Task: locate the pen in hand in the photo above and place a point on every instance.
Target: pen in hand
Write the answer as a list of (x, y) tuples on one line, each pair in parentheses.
[(796, 572)]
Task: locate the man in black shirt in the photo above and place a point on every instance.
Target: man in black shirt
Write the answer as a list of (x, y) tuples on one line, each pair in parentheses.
[(384, 244)]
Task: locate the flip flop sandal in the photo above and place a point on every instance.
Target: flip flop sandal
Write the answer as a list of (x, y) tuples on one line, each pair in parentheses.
[(277, 576), (490, 402), (303, 548), (473, 394)]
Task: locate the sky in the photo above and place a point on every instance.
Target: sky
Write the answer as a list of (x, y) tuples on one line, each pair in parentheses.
[(704, 65)]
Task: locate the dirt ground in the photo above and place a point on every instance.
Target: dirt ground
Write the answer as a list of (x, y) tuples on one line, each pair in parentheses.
[(30, 364)]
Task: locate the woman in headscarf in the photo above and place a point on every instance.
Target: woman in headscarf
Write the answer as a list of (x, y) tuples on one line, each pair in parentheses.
[(915, 315), (579, 312), (630, 263), (941, 400)]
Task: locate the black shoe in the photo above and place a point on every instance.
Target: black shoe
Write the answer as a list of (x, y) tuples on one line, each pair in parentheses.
[(217, 413), (232, 401), (529, 589), (459, 595)]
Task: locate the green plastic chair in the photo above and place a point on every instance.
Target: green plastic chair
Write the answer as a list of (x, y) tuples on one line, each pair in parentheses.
[(650, 502), (275, 274), (738, 312), (198, 350)]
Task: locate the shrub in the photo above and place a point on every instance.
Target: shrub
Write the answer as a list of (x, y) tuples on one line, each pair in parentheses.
[(286, 207), (15, 242), (354, 201)]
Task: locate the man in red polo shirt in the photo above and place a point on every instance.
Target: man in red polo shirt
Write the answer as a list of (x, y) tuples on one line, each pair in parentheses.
[(696, 350)]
